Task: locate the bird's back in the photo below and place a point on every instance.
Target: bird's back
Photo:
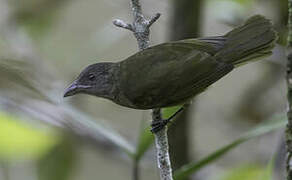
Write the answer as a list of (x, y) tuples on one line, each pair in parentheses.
[(170, 73)]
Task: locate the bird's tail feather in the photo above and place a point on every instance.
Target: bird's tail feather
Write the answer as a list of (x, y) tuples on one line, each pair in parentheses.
[(251, 41)]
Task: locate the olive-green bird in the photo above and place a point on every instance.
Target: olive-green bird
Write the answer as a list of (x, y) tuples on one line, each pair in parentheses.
[(172, 73)]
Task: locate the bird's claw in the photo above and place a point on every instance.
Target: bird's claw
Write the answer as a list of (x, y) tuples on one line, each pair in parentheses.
[(159, 125)]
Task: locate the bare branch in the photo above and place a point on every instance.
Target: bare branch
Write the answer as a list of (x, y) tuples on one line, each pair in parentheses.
[(122, 24), (136, 9), (154, 19), (162, 149), (163, 158), (140, 28)]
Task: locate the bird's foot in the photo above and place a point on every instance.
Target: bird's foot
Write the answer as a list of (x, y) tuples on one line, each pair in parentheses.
[(158, 125)]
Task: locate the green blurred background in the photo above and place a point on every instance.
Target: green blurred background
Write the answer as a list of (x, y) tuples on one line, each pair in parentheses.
[(44, 44)]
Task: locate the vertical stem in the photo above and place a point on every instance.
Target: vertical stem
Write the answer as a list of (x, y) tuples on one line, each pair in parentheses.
[(289, 95), (136, 170), (136, 9), (162, 148), (163, 158)]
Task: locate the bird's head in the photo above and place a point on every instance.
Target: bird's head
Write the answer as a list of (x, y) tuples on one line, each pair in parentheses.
[(96, 79)]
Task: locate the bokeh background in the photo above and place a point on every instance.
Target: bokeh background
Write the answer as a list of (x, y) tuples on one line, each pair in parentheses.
[(44, 44)]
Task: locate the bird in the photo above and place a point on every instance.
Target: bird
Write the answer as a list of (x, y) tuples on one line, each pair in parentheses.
[(174, 72)]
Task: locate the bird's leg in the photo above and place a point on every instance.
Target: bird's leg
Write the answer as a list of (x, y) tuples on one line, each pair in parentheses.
[(160, 124)]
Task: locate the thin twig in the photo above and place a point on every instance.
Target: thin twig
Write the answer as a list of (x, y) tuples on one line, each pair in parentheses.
[(154, 19), (289, 95), (136, 170), (140, 28), (122, 24)]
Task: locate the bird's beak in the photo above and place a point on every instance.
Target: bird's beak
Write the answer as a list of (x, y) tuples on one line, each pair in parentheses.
[(71, 90)]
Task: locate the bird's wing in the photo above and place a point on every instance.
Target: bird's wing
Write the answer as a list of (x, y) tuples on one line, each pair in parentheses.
[(210, 44), (169, 74)]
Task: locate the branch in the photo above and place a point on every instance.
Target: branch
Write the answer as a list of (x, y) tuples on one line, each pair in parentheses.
[(161, 144), (153, 19), (140, 28), (135, 170), (289, 95), (122, 24)]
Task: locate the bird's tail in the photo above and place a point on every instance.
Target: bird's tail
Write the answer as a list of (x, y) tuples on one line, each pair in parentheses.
[(251, 41)]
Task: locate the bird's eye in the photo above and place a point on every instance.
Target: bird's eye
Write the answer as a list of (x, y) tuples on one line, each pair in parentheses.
[(91, 77)]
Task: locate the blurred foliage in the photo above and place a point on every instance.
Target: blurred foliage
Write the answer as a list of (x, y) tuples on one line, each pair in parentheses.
[(266, 127), (241, 2), (18, 140), (248, 172), (146, 139), (14, 73), (95, 128), (36, 16), (59, 162)]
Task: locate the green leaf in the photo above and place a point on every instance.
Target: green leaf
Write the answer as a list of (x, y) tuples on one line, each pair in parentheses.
[(19, 140), (167, 112), (59, 162), (276, 122), (251, 172), (241, 2), (247, 172)]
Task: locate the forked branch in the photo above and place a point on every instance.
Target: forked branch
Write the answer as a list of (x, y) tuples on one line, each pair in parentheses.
[(140, 28)]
